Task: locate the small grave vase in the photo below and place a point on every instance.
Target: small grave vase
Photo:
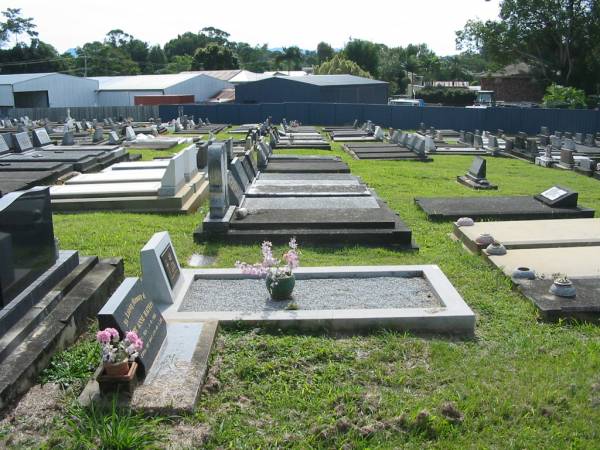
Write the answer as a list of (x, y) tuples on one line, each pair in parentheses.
[(281, 288), (484, 239), (115, 382), (523, 273), (496, 248), (563, 288), (465, 222), (117, 369)]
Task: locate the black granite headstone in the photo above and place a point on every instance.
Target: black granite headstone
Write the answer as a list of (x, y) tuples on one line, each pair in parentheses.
[(22, 142), (129, 310), (558, 197), (235, 191), (169, 262), (28, 246)]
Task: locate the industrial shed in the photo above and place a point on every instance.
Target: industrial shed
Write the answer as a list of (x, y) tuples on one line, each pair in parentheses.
[(313, 88), (122, 90), (43, 90)]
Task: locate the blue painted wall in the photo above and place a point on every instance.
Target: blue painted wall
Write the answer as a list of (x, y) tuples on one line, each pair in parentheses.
[(509, 119)]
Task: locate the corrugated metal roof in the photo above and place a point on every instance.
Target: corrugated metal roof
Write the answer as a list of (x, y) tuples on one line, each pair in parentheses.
[(143, 82), (224, 75), (332, 80), (20, 77)]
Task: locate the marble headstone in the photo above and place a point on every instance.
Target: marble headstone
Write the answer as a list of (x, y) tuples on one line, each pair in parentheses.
[(161, 273)]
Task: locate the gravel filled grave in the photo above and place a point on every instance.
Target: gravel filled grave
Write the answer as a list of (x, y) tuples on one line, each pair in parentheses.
[(250, 295)]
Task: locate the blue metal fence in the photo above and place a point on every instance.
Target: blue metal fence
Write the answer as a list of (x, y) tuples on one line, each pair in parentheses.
[(508, 119)]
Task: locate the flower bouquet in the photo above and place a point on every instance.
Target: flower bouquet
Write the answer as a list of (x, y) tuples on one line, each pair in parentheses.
[(117, 353), (278, 274)]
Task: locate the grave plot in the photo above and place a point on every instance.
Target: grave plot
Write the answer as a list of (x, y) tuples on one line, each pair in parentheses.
[(41, 141), (468, 143), (555, 203), (46, 295), (171, 185), (530, 233), (401, 146), (297, 140), (584, 306), (476, 176), (142, 140), (328, 208), (270, 163), (575, 262)]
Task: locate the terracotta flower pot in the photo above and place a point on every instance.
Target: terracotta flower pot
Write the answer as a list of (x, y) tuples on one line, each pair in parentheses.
[(281, 288), (119, 369)]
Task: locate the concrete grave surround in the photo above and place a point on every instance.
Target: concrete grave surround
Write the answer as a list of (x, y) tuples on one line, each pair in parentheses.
[(155, 280), (534, 233), (453, 316)]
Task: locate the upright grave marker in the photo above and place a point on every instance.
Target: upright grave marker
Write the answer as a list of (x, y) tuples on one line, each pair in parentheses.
[(161, 272)]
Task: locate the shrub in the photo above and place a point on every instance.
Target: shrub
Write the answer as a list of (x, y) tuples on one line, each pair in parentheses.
[(447, 96), (558, 96)]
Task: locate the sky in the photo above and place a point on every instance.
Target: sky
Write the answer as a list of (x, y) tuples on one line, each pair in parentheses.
[(305, 23)]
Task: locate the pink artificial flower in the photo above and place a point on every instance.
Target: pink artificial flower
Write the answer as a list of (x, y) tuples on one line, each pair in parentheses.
[(103, 337), (114, 334), (131, 336), (139, 344)]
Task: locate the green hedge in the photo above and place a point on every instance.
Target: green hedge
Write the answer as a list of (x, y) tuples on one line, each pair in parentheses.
[(447, 96)]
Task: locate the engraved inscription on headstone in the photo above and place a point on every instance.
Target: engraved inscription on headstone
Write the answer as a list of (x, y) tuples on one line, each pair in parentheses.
[(128, 309)]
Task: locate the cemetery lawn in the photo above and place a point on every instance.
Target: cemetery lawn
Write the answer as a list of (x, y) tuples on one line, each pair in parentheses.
[(518, 384)]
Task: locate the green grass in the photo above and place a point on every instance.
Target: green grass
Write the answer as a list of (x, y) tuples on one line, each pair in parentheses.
[(519, 384)]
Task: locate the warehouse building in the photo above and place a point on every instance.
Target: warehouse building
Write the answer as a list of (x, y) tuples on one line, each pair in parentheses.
[(313, 88), (43, 90), (123, 90)]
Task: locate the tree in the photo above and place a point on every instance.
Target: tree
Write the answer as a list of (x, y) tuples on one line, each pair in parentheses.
[(183, 44), (214, 57), (564, 97), (179, 63), (255, 59), (557, 38), (324, 52), (291, 57), (157, 60), (363, 53), (37, 57), (104, 59), (16, 25), (338, 65)]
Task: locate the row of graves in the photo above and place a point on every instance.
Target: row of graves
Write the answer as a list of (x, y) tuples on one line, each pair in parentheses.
[(185, 124), (546, 243), (397, 146), (47, 294), (32, 160), (177, 313), (314, 198)]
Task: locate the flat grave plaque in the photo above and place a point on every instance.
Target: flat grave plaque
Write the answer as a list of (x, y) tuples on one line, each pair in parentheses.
[(170, 265), (558, 196)]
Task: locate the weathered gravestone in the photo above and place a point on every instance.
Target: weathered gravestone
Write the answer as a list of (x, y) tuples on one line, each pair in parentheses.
[(476, 176), (129, 134), (98, 135), (22, 142), (40, 137), (68, 138), (128, 309), (161, 272)]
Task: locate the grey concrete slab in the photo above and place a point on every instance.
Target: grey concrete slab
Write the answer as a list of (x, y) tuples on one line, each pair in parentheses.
[(329, 203), (533, 233), (319, 190), (576, 262)]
